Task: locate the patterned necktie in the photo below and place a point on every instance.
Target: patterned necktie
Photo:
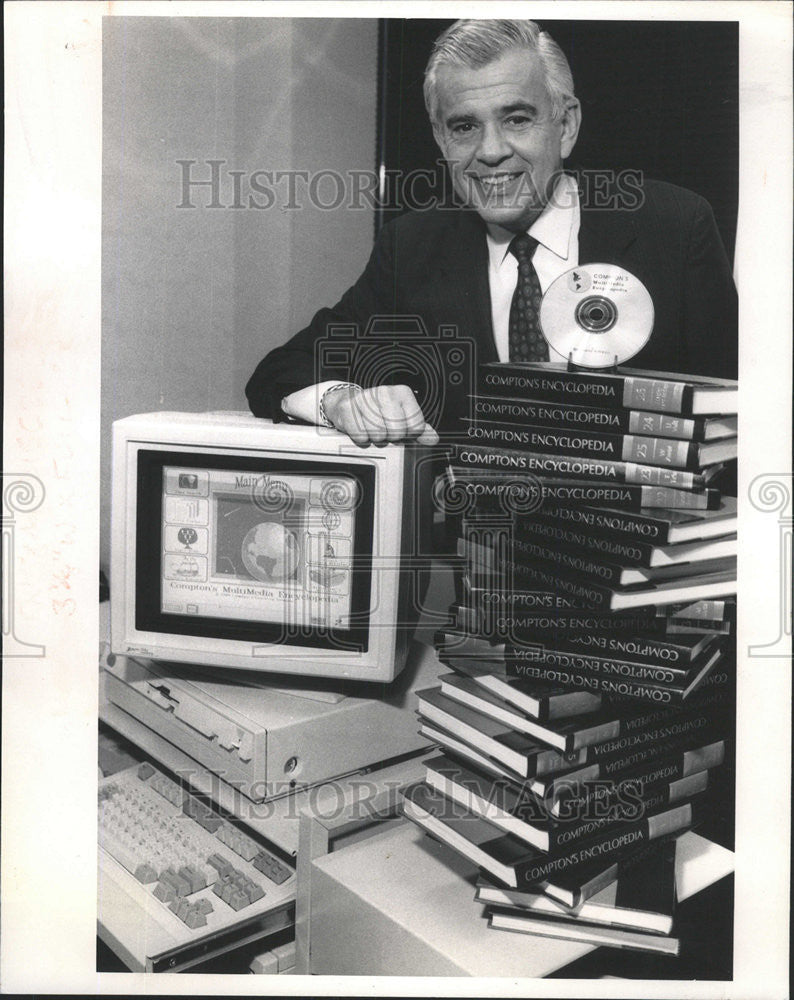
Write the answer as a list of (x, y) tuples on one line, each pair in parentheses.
[(526, 340)]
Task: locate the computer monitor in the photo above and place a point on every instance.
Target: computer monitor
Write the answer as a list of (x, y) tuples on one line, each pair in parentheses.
[(281, 548)]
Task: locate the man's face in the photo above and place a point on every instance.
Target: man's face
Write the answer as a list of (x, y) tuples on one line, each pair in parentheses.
[(496, 132)]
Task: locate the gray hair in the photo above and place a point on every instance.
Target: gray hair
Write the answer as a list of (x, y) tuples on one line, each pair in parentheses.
[(475, 43)]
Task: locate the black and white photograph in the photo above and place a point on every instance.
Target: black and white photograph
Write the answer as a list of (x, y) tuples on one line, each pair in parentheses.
[(389, 596)]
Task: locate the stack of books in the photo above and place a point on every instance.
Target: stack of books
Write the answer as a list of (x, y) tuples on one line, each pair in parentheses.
[(590, 698), (648, 545)]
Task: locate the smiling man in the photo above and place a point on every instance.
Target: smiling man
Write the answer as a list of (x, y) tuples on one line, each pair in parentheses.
[(501, 102), (504, 128)]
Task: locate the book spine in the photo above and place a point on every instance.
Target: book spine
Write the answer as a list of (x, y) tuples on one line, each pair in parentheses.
[(575, 466), (649, 451), (568, 560), (532, 624), (530, 759), (629, 806), (630, 392), (483, 599), (665, 425), (588, 681), (489, 600), (486, 494), (711, 610), (547, 440), (550, 761), (659, 451), (522, 412), (607, 846), (680, 735), (575, 798), (515, 576), (645, 649), (650, 672), (493, 493), (689, 626), (657, 394), (629, 551), (623, 648), (505, 380), (695, 738), (612, 523)]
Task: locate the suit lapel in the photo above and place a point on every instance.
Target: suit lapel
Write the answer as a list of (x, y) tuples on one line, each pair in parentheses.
[(462, 267), (463, 276), (604, 235)]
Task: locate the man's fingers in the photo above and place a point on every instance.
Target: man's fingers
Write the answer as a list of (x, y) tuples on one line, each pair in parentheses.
[(415, 424), (383, 413), (345, 416), (401, 413), (370, 415), (429, 436)]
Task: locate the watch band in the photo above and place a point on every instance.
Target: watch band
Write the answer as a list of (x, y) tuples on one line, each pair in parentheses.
[(334, 388)]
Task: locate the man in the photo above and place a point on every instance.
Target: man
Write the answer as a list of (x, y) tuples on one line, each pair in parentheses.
[(501, 102)]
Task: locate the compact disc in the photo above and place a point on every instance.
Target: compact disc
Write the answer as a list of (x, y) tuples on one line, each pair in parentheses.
[(597, 315)]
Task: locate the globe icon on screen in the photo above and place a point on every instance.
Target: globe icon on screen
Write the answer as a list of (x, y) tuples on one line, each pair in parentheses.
[(270, 552)]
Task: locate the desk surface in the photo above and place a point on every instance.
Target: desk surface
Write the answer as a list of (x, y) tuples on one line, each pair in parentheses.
[(403, 904)]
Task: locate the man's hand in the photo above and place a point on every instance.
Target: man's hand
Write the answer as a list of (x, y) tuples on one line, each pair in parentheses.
[(384, 413)]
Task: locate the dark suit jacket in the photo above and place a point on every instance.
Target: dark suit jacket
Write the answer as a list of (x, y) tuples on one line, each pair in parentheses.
[(434, 265)]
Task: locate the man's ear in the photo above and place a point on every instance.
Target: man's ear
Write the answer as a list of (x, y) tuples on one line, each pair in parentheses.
[(571, 121)]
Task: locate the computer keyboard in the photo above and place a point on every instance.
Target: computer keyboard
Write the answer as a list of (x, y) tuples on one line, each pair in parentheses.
[(197, 874)]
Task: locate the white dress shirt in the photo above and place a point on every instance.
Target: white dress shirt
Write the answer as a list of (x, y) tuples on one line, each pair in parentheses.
[(557, 231)]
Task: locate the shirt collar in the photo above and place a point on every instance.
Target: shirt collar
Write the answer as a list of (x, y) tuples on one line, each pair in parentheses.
[(552, 229)]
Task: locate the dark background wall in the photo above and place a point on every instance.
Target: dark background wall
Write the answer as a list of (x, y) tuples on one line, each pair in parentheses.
[(657, 96)]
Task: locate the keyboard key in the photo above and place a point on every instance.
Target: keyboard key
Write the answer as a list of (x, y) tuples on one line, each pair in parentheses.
[(262, 862), (195, 918), (238, 842), (190, 806), (182, 885), (238, 900), (272, 867), (194, 877), (164, 892), (210, 822), (222, 866), (164, 837), (279, 873), (145, 873), (255, 892)]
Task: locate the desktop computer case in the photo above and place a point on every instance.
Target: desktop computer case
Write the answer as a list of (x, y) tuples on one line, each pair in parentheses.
[(267, 741)]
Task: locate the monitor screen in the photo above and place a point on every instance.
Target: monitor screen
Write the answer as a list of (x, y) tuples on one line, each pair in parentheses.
[(283, 548), (256, 548)]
